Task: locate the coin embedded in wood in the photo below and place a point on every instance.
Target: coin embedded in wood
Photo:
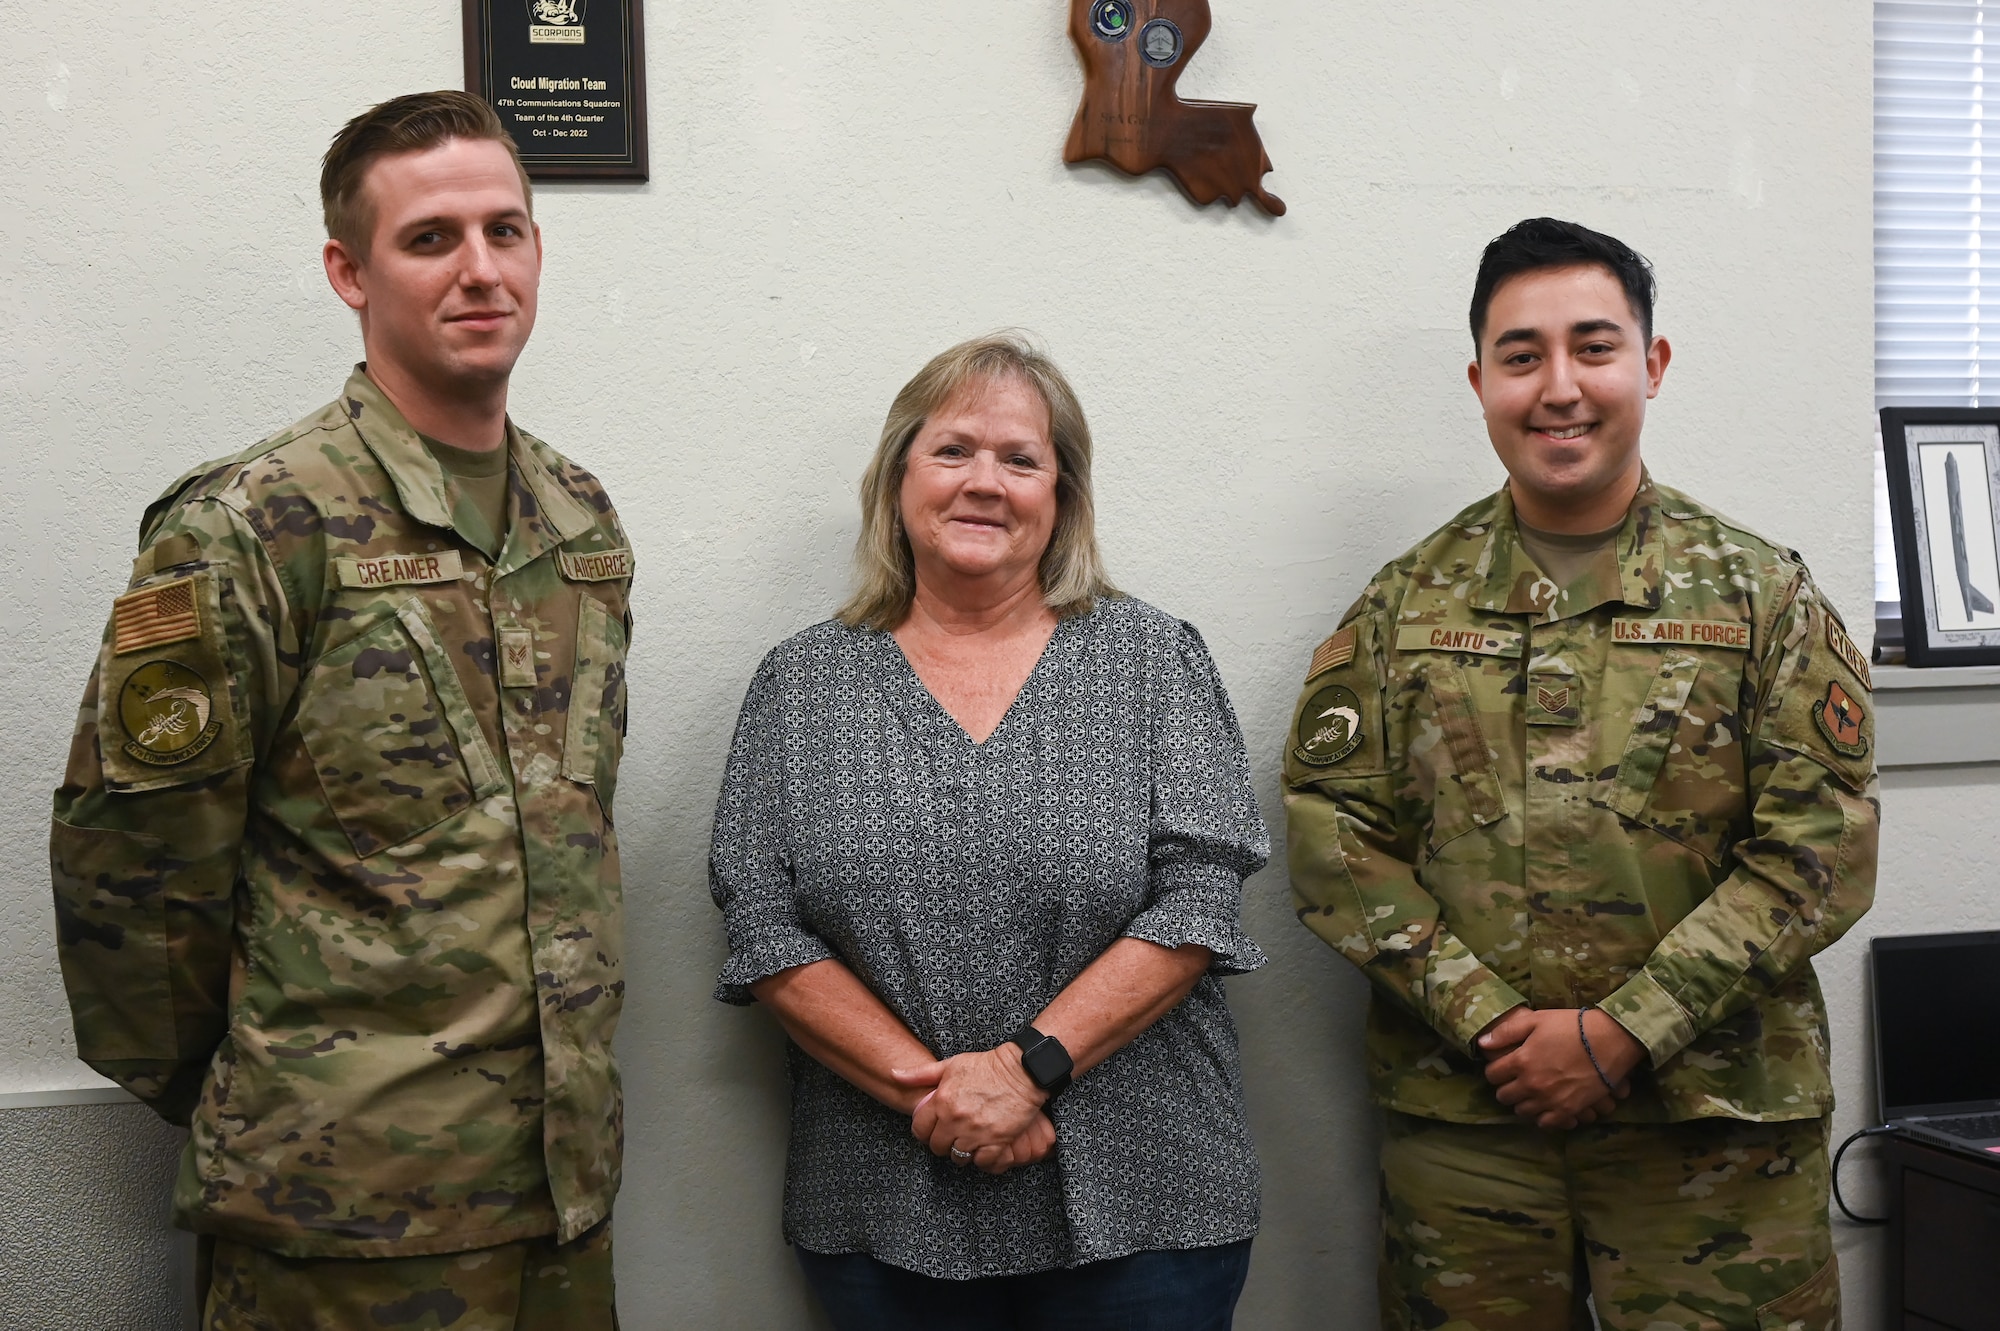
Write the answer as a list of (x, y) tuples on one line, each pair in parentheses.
[(1111, 19), (1160, 43), (1133, 52)]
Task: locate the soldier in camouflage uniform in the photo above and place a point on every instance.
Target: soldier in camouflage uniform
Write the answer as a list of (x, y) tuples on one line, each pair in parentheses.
[(1581, 782), (335, 875)]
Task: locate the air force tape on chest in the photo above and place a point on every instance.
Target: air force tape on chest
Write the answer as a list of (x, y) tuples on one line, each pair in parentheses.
[(1727, 634), (595, 565)]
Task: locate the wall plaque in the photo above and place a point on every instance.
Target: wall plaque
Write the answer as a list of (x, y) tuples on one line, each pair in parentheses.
[(1133, 53), (568, 78)]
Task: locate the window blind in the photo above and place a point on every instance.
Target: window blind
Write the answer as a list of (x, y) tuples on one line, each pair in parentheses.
[(1937, 228)]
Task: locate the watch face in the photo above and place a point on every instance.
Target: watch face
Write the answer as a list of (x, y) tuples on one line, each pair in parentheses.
[(1047, 1063)]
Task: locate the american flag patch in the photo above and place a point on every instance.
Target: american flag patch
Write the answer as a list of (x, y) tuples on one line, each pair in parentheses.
[(153, 616), (1335, 651)]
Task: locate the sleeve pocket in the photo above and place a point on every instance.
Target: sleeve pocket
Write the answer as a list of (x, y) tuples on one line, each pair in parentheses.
[(595, 739), (110, 899)]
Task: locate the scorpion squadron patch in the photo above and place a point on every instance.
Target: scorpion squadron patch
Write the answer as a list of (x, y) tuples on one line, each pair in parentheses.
[(1329, 727), (168, 714)]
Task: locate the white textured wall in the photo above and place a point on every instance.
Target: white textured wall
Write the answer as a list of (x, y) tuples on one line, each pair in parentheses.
[(841, 188), (84, 1239)]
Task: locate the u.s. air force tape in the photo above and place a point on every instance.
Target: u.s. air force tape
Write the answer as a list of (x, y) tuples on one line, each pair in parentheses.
[(595, 565), (1683, 632)]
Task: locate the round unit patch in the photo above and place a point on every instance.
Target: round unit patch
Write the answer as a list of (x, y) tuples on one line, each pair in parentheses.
[(1111, 20), (1160, 43), (1329, 727), (167, 712)]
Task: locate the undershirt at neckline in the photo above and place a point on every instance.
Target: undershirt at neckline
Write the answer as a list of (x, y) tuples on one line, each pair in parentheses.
[(1567, 556), (477, 483)]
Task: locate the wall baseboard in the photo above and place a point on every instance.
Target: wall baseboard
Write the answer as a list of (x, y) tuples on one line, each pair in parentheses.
[(71, 1095)]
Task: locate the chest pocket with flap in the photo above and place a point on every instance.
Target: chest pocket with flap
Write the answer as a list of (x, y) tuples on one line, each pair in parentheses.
[(1452, 756), (1682, 771), (391, 733)]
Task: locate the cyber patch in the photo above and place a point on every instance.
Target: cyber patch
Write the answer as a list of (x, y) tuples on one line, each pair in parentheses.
[(168, 714), (1839, 718), (1329, 727), (1844, 648)]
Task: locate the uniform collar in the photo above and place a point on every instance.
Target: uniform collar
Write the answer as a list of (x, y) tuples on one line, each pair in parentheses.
[(418, 479), (1510, 584), (542, 512)]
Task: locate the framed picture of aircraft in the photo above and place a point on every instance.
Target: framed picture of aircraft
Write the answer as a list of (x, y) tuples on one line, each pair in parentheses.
[(1944, 495)]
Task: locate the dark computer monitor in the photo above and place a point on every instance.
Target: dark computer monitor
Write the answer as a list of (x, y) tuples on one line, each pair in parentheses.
[(1937, 1023)]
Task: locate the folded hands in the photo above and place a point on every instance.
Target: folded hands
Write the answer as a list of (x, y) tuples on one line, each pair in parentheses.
[(1541, 1069), (980, 1109)]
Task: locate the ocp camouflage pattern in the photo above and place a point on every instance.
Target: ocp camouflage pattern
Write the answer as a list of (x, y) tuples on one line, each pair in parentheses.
[(1654, 792), (528, 1285), (1482, 1227), (365, 937)]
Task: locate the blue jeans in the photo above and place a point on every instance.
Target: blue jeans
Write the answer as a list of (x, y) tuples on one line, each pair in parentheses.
[(1193, 1289)]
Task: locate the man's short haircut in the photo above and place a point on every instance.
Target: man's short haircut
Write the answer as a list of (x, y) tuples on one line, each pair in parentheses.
[(414, 122), (1545, 242)]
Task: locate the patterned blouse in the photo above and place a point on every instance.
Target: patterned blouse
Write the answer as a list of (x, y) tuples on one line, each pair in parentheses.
[(967, 884)]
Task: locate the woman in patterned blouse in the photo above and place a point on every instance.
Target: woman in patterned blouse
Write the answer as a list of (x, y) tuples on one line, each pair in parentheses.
[(983, 836)]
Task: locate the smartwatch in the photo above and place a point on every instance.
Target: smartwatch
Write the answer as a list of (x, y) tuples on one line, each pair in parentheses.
[(1044, 1059)]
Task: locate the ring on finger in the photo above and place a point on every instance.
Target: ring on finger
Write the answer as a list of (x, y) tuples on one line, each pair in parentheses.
[(960, 1157)]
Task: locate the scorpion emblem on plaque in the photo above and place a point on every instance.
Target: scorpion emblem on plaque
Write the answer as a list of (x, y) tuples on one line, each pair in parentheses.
[(556, 21)]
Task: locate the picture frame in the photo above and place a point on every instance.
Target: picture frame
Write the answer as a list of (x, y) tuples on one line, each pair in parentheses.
[(568, 78), (1943, 466)]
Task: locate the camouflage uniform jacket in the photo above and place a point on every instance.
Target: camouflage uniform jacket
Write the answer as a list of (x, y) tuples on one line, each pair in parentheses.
[(335, 876), (1654, 792)]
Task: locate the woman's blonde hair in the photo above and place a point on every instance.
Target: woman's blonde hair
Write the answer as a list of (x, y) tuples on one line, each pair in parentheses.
[(1072, 571)]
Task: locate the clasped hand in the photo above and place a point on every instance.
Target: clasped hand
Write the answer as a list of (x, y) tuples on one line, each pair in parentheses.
[(1542, 1071), (983, 1103)]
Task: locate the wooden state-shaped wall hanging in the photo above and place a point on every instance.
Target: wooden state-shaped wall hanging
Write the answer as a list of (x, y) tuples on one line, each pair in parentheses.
[(1133, 52)]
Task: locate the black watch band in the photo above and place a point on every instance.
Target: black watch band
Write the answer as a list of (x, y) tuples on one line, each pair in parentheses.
[(1044, 1059)]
